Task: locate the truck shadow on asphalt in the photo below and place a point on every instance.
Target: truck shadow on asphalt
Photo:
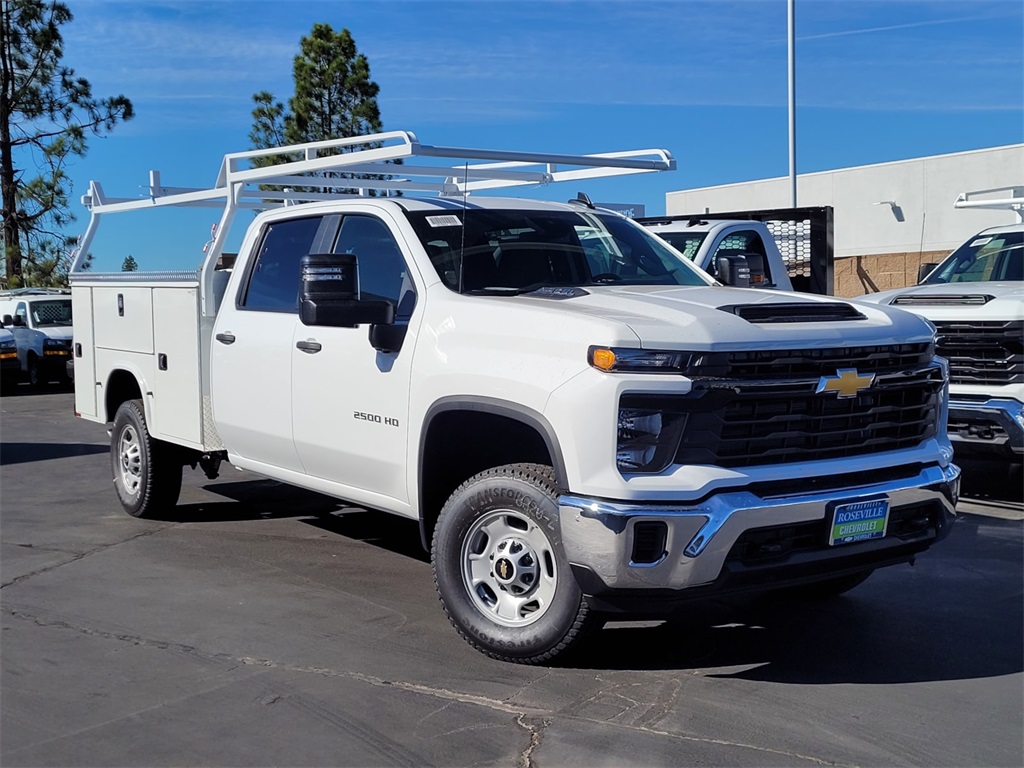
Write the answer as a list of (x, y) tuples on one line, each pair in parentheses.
[(269, 499), (957, 615), (23, 453)]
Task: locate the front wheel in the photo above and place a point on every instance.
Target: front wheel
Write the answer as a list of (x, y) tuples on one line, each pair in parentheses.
[(147, 474), (500, 570), (35, 376)]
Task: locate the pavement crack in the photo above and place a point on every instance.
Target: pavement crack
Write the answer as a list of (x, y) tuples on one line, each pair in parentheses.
[(80, 556), (536, 731), (531, 719)]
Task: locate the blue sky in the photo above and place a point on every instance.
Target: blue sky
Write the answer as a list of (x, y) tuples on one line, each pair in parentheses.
[(876, 81)]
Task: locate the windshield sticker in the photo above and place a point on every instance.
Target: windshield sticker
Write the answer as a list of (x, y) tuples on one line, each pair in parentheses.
[(444, 221), (981, 241)]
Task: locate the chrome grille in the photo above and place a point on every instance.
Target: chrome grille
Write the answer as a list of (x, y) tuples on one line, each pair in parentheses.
[(982, 352), (769, 412)]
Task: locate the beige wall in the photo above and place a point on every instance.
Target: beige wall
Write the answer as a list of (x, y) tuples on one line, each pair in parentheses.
[(858, 275)]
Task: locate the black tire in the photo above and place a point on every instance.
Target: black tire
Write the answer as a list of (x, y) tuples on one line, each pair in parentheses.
[(507, 517), (147, 472), (35, 376), (824, 590)]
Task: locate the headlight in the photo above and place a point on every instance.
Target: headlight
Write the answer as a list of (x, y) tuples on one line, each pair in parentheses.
[(54, 343), (623, 360), (8, 344), (648, 434)]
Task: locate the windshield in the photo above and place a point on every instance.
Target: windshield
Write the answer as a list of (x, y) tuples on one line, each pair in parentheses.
[(996, 257), (50, 313), (515, 251)]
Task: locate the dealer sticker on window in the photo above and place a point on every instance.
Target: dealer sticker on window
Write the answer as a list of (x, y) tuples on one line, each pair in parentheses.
[(859, 521)]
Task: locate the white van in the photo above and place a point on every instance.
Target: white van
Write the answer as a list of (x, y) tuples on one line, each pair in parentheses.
[(40, 321)]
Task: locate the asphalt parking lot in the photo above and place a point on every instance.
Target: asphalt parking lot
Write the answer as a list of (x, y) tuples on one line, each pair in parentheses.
[(262, 625)]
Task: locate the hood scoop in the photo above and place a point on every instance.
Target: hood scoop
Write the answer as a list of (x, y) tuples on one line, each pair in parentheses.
[(942, 300), (791, 312)]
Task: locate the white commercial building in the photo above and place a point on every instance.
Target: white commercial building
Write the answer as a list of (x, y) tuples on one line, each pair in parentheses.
[(889, 217)]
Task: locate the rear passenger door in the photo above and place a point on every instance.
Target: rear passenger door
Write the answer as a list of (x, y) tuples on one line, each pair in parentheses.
[(251, 353)]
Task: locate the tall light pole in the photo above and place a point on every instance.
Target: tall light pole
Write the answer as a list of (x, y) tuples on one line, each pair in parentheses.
[(792, 102)]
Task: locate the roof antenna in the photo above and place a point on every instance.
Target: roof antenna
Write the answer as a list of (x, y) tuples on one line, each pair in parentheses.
[(583, 199)]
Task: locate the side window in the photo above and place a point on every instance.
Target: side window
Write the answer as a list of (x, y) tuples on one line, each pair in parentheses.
[(274, 280), (22, 312), (382, 270)]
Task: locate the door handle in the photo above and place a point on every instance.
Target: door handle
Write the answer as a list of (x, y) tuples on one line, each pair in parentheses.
[(226, 338), (310, 347)]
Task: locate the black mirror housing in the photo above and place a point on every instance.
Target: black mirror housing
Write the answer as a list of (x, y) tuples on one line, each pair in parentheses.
[(923, 271), (734, 270), (329, 293)]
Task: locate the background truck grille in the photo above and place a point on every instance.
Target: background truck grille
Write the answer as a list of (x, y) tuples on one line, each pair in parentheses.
[(983, 352)]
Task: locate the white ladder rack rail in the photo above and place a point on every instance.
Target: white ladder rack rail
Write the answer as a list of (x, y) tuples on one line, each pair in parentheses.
[(238, 183), (312, 176), (978, 199)]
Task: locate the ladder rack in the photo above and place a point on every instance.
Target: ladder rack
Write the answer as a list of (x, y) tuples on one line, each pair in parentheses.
[(328, 170), (980, 199)]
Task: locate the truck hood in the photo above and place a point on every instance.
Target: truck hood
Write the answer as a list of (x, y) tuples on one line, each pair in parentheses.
[(712, 317), (60, 332), (956, 301)]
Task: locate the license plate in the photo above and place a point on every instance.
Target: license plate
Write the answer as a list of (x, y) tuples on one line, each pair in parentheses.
[(859, 521)]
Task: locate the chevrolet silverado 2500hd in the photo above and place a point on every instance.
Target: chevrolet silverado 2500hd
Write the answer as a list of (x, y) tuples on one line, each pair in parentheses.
[(975, 298), (582, 422)]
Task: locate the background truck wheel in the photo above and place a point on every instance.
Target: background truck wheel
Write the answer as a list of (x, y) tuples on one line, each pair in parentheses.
[(500, 570), (147, 475), (35, 376)]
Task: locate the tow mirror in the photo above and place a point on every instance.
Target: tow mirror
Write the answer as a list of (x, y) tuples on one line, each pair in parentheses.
[(329, 293), (8, 320), (734, 270), (923, 271)]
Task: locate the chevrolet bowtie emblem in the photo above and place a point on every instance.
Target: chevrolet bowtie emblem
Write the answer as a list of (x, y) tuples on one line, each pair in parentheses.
[(847, 382)]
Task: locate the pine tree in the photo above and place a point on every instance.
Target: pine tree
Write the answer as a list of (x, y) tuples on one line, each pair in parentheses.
[(46, 112), (335, 97)]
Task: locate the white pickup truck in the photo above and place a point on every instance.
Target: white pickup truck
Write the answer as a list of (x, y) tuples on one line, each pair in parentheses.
[(583, 424), (743, 249), (975, 298)]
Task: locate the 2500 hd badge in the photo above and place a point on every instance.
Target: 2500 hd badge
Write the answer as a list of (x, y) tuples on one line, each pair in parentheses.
[(375, 418)]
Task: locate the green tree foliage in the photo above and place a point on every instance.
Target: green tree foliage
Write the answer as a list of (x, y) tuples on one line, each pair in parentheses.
[(335, 97), (129, 264), (46, 114)]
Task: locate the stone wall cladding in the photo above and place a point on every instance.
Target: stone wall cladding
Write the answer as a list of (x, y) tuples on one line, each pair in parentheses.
[(859, 275)]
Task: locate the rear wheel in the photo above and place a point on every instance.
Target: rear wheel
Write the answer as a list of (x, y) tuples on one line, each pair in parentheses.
[(147, 472), (500, 569)]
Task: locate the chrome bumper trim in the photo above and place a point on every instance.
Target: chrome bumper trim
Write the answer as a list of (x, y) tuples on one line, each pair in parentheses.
[(597, 533)]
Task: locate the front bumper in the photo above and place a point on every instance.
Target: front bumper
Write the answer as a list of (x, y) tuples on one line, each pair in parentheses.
[(743, 539), (996, 424)]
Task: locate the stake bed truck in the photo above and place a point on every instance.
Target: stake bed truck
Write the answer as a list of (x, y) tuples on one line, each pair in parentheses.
[(584, 424)]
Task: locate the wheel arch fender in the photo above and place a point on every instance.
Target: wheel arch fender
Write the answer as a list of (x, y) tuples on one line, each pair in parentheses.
[(124, 383), (490, 432)]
